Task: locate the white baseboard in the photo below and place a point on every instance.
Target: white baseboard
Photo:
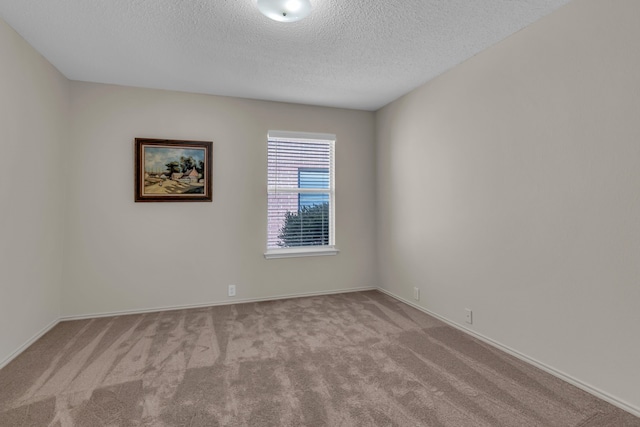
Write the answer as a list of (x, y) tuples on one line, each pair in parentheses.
[(26, 345), (555, 372), (214, 303)]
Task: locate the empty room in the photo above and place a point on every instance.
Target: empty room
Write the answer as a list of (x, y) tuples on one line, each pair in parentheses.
[(320, 213)]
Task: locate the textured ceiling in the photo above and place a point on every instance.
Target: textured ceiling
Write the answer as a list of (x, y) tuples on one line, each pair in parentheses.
[(358, 54)]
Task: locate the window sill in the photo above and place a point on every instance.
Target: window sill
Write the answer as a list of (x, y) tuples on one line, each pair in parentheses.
[(300, 252)]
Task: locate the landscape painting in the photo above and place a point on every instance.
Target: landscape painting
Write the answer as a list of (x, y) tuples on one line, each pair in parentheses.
[(173, 170)]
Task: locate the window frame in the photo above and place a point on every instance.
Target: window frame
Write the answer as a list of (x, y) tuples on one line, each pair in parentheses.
[(306, 251)]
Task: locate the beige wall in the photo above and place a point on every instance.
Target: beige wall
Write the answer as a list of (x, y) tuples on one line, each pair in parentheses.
[(511, 185), (122, 255), (33, 122)]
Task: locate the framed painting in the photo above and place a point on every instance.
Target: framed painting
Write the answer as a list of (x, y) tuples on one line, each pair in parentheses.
[(169, 170)]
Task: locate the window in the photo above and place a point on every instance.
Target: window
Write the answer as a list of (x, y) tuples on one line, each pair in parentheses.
[(312, 178), (300, 211)]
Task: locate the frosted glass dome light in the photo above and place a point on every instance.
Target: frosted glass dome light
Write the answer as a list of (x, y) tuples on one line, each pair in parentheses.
[(284, 10)]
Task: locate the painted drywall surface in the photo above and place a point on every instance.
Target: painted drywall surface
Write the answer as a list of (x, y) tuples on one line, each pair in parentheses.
[(123, 255), (33, 122), (511, 185)]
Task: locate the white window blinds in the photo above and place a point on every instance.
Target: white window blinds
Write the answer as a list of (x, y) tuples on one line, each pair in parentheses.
[(300, 190)]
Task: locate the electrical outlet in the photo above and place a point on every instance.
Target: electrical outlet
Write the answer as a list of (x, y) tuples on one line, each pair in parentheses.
[(468, 315), (416, 293), (232, 290)]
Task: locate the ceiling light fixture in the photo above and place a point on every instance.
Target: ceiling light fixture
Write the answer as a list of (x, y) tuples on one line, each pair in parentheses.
[(284, 10)]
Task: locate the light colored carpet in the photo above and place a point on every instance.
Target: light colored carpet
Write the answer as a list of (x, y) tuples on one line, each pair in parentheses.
[(359, 359)]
